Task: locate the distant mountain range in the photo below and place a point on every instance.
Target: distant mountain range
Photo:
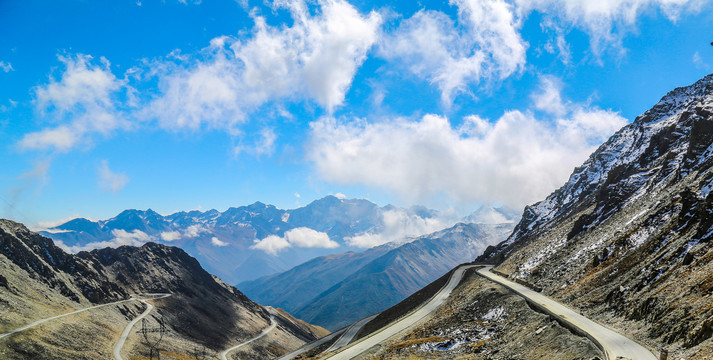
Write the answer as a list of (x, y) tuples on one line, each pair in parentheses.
[(336, 290), (225, 242), (39, 280)]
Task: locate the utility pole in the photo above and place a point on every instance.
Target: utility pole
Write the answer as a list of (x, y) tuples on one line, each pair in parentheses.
[(153, 345)]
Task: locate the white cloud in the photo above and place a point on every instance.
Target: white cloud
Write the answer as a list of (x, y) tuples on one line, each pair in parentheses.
[(82, 99), (190, 232), (557, 43), (6, 66), (194, 231), (170, 235), (699, 62), (206, 94), (514, 161), (319, 52), (606, 21), (109, 180), (549, 99), (400, 225), (216, 242), (306, 237), (484, 45), (264, 144), (121, 238), (340, 196), (300, 237), (271, 244), (316, 58), (127, 238), (61, 138)]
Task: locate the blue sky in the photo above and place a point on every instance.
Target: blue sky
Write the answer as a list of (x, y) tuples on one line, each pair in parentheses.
[(177, 105)]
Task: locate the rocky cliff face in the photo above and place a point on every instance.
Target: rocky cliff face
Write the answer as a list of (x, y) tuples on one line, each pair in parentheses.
[(40, 280), (627, 238)]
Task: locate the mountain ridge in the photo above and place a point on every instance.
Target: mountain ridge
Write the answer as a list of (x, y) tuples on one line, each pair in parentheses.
[(41, 280), (226, 242), (627, 238)]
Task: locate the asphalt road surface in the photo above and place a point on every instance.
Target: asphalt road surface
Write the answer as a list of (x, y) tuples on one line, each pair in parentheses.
[(615, 345), (351, 332), (311, 345), (382, 335), (224, 354), (127, 330), (38, 322)]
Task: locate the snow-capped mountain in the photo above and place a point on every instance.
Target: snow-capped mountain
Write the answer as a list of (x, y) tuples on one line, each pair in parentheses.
[(247, 242), (627, 238)]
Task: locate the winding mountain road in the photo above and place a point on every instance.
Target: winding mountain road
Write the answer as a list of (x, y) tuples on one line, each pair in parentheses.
[(127, 330), (41, 321), (224, 354), (372, 340), (615, 345), (350, 333), (311, 345)]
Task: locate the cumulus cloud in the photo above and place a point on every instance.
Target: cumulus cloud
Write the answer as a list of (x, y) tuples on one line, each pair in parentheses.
[(606, 22), (121, 238), (514, 160), (170, 235), (316, 57), (109, 180), (271, 244), (82, 99), (216, 242), (299, 237), (401, 225), (485, 44)]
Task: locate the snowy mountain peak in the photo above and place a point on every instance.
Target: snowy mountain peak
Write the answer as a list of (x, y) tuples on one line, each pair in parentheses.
[(225, 241), (672, 138), (680, 99)]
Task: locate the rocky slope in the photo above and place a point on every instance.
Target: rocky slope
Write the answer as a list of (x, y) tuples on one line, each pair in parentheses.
[(222, 241), (335, 291), (39, 280), (627, 238)]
